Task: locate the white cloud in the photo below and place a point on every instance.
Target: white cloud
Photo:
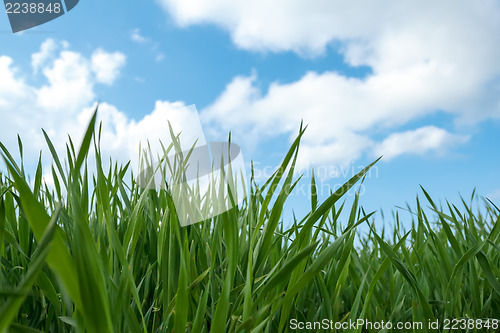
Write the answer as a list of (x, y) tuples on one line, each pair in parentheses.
[(335, 152), (159, 57), (12, 88), (419, 141), (106, 66), (425, 57), (70, 82), (65, 103), (122, 136), (47, 51), (137, 37), (308, 27), (339, 111), (55, 105)]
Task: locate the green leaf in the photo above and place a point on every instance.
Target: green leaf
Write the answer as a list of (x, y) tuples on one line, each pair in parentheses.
[(11, 306), (84, 148), (59, 258), (408, 275)]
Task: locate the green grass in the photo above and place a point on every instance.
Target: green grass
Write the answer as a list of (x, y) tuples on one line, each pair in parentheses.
[(98, 253)]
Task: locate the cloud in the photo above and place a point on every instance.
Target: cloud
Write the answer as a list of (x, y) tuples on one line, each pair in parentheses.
[(425, 58), (68, 87), (69, 82), (154, 46), (71, 76), (340, 112), (308, 27), (47, 50), (137, 37), (64, 103), (419, 141), (12, 88), (106, 66), (122, 136)]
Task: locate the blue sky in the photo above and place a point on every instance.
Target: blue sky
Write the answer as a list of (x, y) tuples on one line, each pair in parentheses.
[(417, 83)]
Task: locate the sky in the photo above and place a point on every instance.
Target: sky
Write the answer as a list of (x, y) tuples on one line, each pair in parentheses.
[(415, 82)]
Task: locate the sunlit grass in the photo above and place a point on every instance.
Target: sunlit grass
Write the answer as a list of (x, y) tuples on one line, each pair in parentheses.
[(98, 253)]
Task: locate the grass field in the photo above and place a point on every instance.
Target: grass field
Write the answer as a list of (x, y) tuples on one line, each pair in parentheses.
[(100, 254)]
